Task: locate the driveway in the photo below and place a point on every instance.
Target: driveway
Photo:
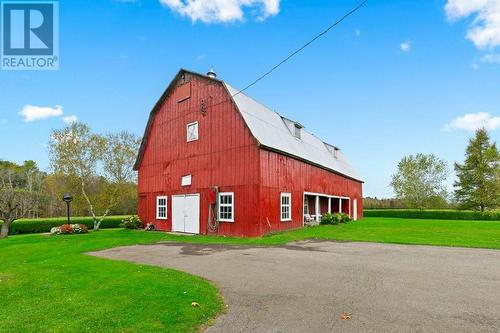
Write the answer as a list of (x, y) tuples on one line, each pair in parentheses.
[(307, 286)]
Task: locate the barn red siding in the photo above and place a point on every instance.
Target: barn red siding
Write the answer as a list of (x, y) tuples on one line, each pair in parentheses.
[(280, 173), (225, 155)]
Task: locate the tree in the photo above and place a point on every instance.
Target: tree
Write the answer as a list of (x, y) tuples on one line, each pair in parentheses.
[(101, 165), (419, 180), (478, 179), (19, 193)]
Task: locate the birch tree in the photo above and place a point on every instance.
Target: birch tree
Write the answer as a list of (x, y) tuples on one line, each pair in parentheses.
[(90, 159)]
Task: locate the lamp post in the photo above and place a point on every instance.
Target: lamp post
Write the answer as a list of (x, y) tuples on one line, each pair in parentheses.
[(67, 198)]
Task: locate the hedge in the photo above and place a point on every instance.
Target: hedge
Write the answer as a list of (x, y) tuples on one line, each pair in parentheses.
[(32, 226), (433, 214)]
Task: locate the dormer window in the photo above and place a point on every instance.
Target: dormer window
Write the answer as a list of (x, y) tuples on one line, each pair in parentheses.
[(297, 129), (334, 151), (294, 127)]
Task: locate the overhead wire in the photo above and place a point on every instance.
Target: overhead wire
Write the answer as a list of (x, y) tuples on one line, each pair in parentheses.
[(294, 53)]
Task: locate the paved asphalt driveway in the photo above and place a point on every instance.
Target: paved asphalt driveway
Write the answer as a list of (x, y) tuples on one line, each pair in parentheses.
[(305, 287)]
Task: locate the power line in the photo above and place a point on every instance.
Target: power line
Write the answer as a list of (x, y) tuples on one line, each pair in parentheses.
[(291, 55), (324, 32)]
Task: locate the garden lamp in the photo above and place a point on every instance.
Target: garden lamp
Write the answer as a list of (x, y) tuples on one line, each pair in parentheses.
[(67, 198)]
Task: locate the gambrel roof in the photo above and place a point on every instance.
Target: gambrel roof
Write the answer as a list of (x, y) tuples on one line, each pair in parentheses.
[(272, 132)]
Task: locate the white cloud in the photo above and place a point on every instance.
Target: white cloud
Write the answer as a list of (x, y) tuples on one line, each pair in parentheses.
[(32, 113), (216, 11), (70, 119), (474, 121), (484, 31), (405, 46)]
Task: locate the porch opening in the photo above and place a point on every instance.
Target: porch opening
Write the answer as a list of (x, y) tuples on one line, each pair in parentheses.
[(317, 204)]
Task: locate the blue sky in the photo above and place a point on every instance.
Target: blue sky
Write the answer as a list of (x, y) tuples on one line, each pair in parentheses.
[(397, 78)]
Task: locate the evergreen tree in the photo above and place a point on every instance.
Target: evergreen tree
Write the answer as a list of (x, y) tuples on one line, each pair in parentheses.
[(478, 184)]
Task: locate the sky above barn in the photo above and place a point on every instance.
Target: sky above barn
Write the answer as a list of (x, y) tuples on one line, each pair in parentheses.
[(396, 78)]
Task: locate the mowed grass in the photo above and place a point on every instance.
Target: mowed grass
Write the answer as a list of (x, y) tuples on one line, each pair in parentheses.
[(48, 284), (479, 234)]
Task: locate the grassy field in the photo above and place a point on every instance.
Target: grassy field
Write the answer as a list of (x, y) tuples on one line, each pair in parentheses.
[(47, 284), (480, 234)]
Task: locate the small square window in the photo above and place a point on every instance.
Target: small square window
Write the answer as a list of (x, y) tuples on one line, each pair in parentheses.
[(192, 131)]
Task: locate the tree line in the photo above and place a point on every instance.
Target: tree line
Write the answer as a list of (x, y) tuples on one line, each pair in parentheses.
[(96, 169), (419, 181)]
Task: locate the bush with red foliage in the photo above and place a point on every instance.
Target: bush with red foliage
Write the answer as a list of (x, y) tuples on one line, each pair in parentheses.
[(70, 229), (66, 229)]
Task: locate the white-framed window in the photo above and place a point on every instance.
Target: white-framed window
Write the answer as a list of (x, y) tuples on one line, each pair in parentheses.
[(306, 207), (161, 207), (192, 131), (286, 206), (226, 207)]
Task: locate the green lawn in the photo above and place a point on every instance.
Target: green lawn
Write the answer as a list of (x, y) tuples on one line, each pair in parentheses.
[(481, 234), (48, 285)]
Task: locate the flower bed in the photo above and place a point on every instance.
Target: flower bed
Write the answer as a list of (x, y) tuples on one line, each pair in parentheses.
[(69, 229)]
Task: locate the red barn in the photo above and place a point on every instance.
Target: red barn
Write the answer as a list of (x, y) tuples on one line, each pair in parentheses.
[(213, 160)]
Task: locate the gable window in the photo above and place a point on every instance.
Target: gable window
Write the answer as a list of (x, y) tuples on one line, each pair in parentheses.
[(161, 207), (192, 131), (286, 206), (226, 207)]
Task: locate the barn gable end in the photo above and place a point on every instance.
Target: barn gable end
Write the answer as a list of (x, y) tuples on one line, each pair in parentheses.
[(219, 157)]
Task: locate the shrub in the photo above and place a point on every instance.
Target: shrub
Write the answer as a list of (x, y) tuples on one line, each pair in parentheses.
[(328, 219), (79, 228), (334, 218), (32, 226), (65, 229), (433, 214), (131, 222), (70, 229)]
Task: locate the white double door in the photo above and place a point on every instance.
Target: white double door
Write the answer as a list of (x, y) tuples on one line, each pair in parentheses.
[(186, 213)]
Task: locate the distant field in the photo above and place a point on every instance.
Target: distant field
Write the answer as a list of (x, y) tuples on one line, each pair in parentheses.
[(438, 214)]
